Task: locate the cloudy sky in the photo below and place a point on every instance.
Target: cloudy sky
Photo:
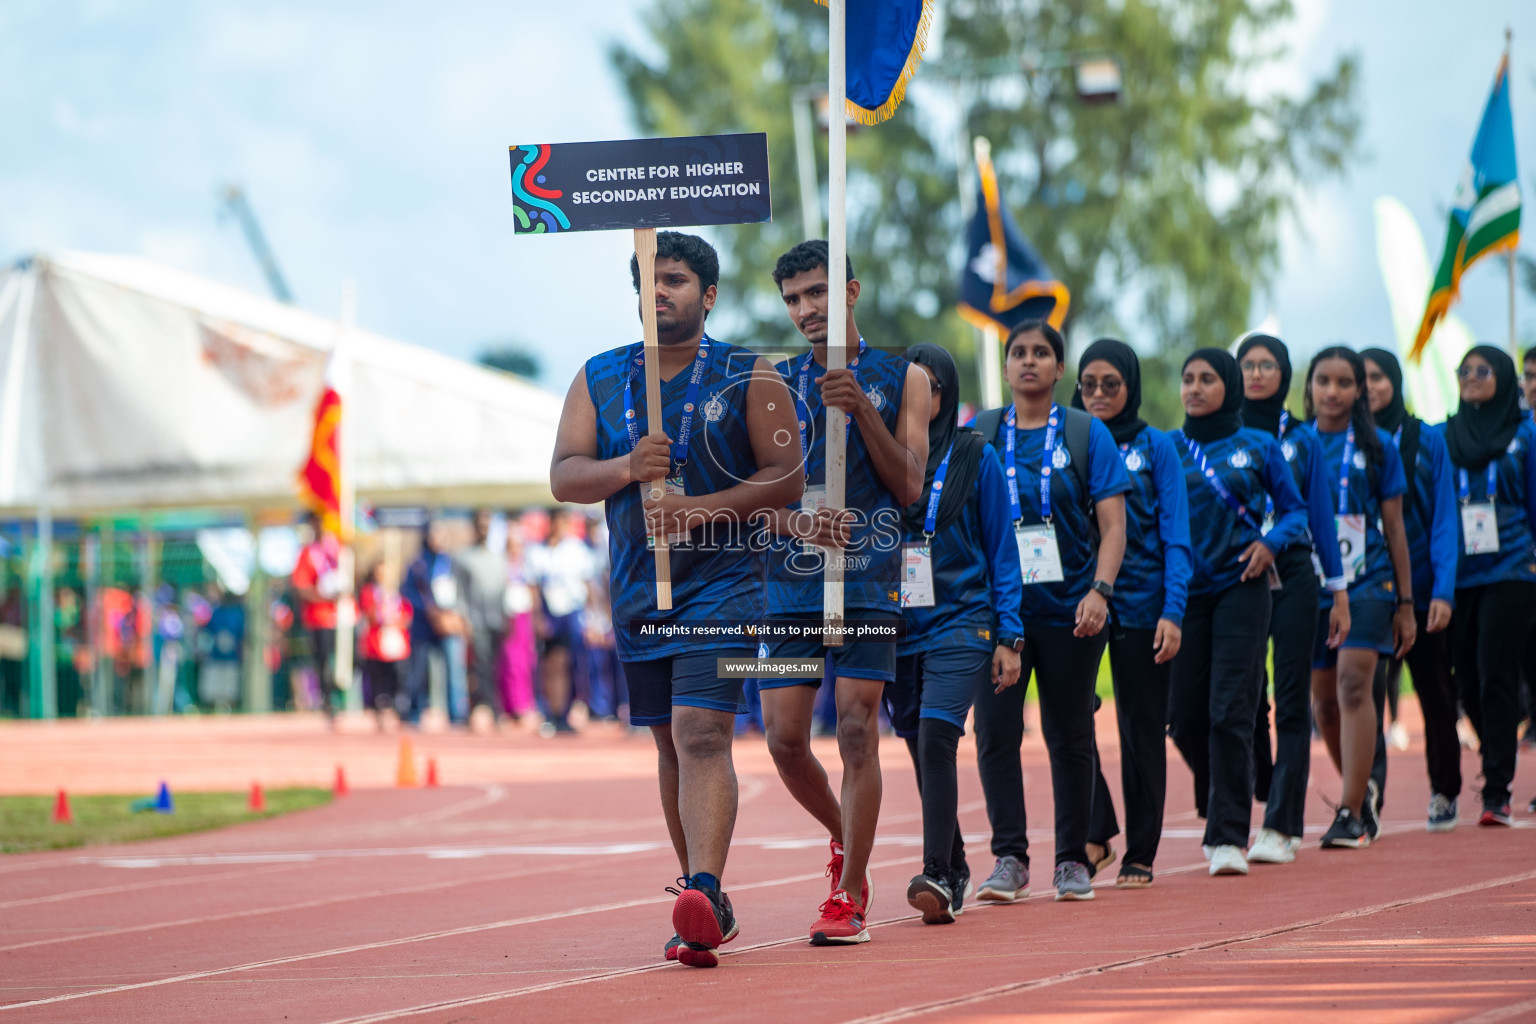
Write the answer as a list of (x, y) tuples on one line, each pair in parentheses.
[(375, 146)]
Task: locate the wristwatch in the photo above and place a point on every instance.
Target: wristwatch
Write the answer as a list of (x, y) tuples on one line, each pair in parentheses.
[(1015, 642), (1106, 590), (1404, 600)]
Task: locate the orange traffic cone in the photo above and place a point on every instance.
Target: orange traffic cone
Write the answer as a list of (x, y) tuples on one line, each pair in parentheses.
[(61, 812), (340, 787), (258, 801), (405, 775), (431, 773)]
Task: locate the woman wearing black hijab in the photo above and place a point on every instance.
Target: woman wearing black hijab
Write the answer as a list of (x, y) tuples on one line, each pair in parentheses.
[(960, 596), (1281, 779), (1429, 516), (1493, 453), (1229, 471), (1147, 610)]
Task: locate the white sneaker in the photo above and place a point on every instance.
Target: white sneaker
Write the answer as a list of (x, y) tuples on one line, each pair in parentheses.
[(1273, 847), (1207, 851), (1228, 860)]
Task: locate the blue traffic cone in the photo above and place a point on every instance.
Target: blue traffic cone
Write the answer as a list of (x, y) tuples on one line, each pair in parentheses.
[(163, 800)]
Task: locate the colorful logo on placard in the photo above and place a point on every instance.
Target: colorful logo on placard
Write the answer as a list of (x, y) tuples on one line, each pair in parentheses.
[(531, 201)]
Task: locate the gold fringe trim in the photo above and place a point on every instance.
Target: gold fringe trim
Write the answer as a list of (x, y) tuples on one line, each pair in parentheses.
[(865, 116), (1440, 301), (1003, 300)]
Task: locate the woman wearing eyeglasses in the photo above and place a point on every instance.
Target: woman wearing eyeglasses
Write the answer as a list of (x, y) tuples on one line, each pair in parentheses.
[(1231, 473), (1281, 782), (1147, 611), (1493, 455)]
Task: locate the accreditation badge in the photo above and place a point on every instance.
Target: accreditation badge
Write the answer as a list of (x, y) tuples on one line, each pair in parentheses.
[(1351, 530), (1479, 528), (1039, 557), (916, 576)]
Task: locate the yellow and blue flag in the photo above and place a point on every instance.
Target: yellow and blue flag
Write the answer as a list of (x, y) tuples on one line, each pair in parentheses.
[(1485, 215), (1005, 282), (885, 45)]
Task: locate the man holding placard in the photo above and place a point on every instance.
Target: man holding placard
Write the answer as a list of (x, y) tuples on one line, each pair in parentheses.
[(728, 453), (886, 402)]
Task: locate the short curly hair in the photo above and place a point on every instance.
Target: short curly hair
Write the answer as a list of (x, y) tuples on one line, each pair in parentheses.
[(807, 255), (690, 249)]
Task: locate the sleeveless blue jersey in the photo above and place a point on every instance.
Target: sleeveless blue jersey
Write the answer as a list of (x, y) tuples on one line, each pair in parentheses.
[(717, 573), (872, 569)]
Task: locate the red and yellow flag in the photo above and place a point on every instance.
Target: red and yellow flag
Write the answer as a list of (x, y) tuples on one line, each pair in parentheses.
[(320, 476)]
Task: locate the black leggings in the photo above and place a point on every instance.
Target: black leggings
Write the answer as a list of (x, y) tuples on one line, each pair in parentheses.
[(1141, 712), (1065, 668), (1214, 701), (1282, 782), (1491, 625)]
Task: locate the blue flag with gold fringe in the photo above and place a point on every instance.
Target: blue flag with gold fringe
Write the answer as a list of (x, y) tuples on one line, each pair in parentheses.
[(1005, 282), (885, 45)]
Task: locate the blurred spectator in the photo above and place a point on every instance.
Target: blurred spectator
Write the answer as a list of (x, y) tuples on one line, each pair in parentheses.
[(563, 569), (520, 655), (386, 618), (317, 585), (435, 591), (170, 634), (607, 693), (222, 643), (485, 572)]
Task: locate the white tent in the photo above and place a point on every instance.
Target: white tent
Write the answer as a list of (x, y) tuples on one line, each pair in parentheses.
[(125, 384)]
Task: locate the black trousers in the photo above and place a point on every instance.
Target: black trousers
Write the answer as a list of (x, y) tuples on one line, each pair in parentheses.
[(1281, 781), (381, 681), (1491, 625), (1065, 668), (1214, 701), (1429, 664), (484, 661), (1141, 712), (324, 641)]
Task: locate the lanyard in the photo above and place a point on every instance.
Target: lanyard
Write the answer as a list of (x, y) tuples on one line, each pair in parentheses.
[(1349, 454), (690, 402), (1015, 508), (931, 518), (803, 389), (1269, 502), (1218, 485), (1285, 419), (1466, 488)]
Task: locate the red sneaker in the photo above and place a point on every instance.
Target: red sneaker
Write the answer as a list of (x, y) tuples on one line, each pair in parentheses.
[(1496, 816), (842, 922), (704, 922), (835, 872)]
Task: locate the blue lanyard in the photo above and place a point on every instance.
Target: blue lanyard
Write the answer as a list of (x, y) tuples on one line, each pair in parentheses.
[(803, 389), (1285, 419), (1466, 488), (1015, 507), (1219, 485), (690, 402), (1269, 502), (931, 518), (1349, 454)]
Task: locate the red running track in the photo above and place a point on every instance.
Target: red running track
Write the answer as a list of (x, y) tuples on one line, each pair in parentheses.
[(536, 895)]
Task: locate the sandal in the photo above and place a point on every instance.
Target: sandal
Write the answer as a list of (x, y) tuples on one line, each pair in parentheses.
[(1095, 866), (1133, 876)]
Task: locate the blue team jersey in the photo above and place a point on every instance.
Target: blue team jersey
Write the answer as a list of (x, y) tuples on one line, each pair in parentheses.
[(872, 569), (1076, 537), (1251, 467), (1514, 501), (1154, 578), (717, 572), (1300, 446), (976, 576), (1430, 518), (1365, 492)]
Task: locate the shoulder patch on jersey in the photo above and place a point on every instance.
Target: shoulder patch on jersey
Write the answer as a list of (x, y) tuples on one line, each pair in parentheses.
[(1288, 449), (1239, 459), (1134, 461)]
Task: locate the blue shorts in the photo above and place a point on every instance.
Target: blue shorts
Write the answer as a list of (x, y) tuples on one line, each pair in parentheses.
[(864, 659), (686, 680), (1370, 629), (936, 684)]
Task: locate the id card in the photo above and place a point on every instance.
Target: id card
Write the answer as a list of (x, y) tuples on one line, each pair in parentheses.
[(916, 576), (674, 485), (1480, 528), (1039, 558), (812, 501), (1351, 530)]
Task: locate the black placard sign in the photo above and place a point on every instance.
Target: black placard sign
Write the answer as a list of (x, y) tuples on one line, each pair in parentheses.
[(640, 183)]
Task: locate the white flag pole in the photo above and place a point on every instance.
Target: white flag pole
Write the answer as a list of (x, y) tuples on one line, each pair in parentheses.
[(346, 450), (837, 304)]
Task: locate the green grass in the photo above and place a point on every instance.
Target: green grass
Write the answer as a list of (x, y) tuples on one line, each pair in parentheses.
[(26, 822)]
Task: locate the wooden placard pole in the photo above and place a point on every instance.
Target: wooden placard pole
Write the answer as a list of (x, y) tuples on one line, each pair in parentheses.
[(645, 256), (837, 301)]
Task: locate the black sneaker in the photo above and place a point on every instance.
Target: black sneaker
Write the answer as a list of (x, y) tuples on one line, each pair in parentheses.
[(931, 898), (1346, 832), (704, 921), (1370, 810), (959, 884)]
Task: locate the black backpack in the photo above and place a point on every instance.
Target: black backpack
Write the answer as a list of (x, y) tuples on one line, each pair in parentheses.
[(1074, 428)]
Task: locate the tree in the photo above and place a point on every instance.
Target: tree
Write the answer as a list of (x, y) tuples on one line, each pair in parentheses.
[(510, 357), (1161, 212)]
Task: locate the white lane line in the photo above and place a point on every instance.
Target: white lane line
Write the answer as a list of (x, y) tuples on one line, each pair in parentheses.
[(988, 994), (407, 939), (492, 794), (1510, 1012), (112, 890)]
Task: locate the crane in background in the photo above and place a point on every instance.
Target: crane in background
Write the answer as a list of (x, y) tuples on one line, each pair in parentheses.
[(234, 204)]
